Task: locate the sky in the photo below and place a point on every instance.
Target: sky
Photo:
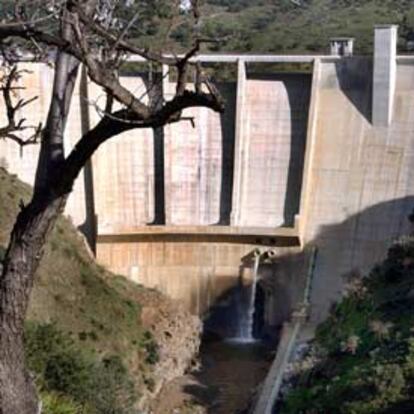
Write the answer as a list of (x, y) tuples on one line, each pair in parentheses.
[(185, 4)]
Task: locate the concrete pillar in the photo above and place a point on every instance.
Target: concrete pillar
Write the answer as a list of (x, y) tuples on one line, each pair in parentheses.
[(385, 68), (239, 144), (311, 137), (89, 228)]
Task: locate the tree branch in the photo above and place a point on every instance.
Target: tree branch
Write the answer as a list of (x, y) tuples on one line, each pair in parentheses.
[(125, 120), (14, 125), (105, 77), (119, 43), (135, 114), (101, 72)]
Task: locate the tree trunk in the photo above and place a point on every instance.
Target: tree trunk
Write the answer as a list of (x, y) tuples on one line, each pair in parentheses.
[(17, 391)]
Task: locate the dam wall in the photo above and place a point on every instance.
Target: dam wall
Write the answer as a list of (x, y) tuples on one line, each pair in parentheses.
[(295, 163), (227, 191), (272, 142), (360, 184)]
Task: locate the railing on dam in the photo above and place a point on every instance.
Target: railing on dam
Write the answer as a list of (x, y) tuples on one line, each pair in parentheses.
[(248, 58)]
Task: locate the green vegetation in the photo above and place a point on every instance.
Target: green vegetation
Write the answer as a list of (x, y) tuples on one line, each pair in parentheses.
[(365, 350), (84, 324), (276, 26), (73, 380), (280, 26)]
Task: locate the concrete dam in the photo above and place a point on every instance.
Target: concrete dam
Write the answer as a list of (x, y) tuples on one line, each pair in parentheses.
[(321, 159)]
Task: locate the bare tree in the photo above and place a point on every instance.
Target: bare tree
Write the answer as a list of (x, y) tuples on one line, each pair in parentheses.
[(78, 32)]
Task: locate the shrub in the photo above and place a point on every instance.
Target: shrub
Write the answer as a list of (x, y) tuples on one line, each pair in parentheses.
[(53, 403), (72, 379), (151, 348)]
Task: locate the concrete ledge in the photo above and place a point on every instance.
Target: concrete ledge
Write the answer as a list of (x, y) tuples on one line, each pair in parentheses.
[(234, 58), (282, 236), (408, 59)]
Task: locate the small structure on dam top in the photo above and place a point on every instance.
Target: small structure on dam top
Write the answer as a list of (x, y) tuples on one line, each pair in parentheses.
[(318, 156), (342, 46)]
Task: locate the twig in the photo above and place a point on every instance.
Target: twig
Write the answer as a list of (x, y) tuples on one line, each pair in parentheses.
[(15, 126)]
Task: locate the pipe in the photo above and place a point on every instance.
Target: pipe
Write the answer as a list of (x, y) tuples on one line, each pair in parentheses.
[(290, 333), (271, 254), (271, 387)]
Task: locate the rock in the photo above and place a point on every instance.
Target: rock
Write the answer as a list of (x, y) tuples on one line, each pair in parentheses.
[(177, 334)]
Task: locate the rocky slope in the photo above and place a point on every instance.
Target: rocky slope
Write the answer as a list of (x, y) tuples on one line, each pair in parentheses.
[(155, 337)]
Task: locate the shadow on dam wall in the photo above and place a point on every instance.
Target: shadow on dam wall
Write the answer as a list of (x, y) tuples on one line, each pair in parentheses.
[(354, 76), (228, 129), (298, 87), (223, 319), (357, 243)]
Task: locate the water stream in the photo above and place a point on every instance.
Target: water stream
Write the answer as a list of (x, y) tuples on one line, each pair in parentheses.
[(246, 318), (224, 383), (234, 360)]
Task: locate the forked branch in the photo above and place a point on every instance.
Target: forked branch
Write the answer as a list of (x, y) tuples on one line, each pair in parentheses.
[(15, 126)]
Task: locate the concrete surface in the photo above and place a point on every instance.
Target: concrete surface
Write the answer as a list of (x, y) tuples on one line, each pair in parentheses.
[(360, 187), (385, 53), (273, 135)]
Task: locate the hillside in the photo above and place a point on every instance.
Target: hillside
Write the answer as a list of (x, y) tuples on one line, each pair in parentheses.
[(362, 360), (100, 316), (271, 26), (281, 26)]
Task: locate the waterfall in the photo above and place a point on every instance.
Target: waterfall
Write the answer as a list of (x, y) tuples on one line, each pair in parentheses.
[(250, 315), (246, 322)]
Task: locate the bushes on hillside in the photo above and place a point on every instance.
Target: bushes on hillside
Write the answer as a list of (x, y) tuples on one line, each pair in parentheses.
[(72, 380), (365, 350)]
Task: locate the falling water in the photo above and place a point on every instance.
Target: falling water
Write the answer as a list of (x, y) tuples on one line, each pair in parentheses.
[(246, 322)]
